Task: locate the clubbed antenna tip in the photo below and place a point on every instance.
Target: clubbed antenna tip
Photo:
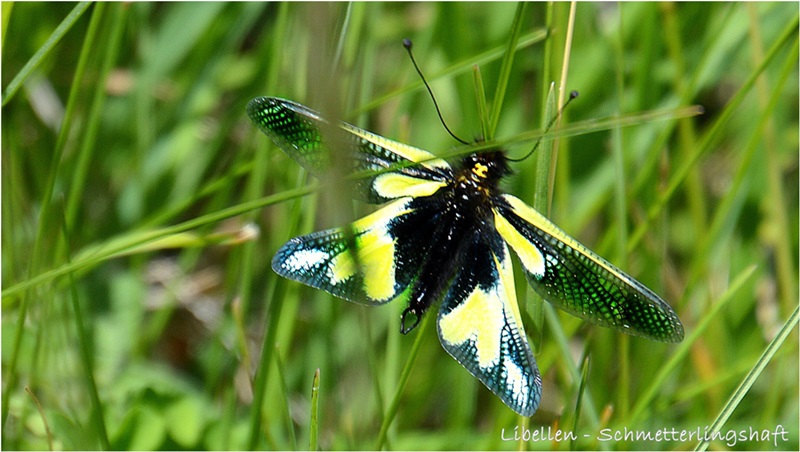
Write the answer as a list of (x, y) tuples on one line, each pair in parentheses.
[(572, 95)]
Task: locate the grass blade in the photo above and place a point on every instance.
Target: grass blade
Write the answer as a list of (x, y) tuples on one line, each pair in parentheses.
[(41, 54), (84, 339), (401, 384), (644, 401), (505, 70), (314, 424), (712, 135), (750, 379)]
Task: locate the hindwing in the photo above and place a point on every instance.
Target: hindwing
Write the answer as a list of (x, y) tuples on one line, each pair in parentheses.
[(479, 324), (575, 279)]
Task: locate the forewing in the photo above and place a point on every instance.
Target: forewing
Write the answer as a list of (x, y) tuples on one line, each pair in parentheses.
[(572, 277), (387, 166), (371, 262), (479, 324)]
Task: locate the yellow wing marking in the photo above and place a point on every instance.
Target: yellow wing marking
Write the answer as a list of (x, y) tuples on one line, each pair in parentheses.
[(481, 318), (477, 318), (394, 185), (516, 382), (539, 221), (508, 296), (375, 248), (528, 253)]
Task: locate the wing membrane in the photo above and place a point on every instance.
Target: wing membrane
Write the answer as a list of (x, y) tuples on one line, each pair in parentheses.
[(572, 277), (298, 130), (480, 326), (371, 262)]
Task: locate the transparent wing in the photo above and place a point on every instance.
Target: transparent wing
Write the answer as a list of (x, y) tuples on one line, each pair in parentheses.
[(480, 326), (572, 277), (299, 131)]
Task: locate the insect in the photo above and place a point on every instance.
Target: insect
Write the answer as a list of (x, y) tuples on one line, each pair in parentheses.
[(443, 237)]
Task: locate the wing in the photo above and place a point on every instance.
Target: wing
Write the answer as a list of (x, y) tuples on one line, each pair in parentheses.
[(479, 324), (371, 262), (299, 131), (572, 277)]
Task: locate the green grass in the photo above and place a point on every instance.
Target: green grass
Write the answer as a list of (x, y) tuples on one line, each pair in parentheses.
[(140, 312)]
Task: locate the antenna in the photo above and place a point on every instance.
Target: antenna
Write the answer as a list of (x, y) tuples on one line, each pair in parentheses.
[(407, 44), (572, 95)]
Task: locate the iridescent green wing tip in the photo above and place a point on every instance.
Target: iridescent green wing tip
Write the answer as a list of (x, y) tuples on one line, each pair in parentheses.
[(575, 279)]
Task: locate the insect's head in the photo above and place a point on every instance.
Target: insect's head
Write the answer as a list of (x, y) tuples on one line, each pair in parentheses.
[(488, 166)]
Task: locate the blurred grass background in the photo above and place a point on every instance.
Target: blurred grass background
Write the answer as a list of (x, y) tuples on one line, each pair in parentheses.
[(139, 310)]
